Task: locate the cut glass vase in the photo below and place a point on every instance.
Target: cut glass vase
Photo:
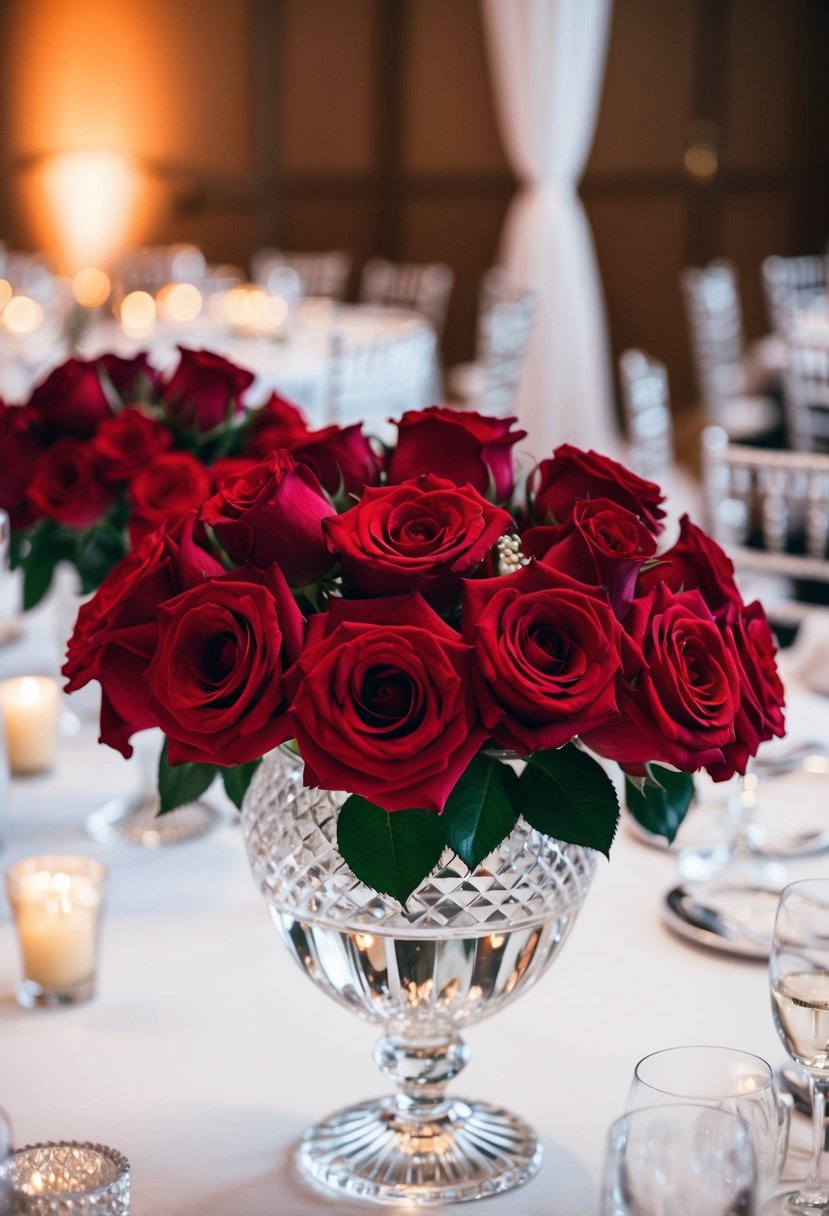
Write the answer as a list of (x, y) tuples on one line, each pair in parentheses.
[(465, 945)]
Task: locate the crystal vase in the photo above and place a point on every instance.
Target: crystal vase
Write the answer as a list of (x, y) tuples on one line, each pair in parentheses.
[(466, 944)]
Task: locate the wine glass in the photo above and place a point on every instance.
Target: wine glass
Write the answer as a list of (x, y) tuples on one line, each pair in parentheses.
[(725, 1078), (5, 1153), (737, 860), (679, 1160), (799, 977)]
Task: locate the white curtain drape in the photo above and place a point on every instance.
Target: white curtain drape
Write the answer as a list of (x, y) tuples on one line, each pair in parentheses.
[(547, 59)]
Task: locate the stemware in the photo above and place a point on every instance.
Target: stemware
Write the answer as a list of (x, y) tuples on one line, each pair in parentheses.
[(679, 1160), (728, 1079), (799, 978)]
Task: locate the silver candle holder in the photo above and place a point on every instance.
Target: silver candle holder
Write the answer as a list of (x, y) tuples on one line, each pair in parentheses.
[(69, 1179)]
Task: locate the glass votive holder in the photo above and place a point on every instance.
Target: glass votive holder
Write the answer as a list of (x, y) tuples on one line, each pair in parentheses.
[(59, 1179), (56, 901), (29, 705)]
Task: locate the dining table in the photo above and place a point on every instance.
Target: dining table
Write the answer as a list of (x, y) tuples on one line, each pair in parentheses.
[(293, 360), (205, 1053)]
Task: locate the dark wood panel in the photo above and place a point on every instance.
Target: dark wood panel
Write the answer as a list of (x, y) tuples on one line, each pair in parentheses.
[(640, 245), (462, 232)]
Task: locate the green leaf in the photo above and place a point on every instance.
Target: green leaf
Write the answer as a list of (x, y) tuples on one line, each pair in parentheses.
[(236, 780), (661, 808), (568, 795), (390, 851), (481, 810), (179, 784), (48, 545), (102, 548)]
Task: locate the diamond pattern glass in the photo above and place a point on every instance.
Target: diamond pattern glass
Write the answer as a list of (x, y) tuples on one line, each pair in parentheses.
[(464, 945)]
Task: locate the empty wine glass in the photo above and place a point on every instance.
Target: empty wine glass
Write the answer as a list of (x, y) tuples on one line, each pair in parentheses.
[(737, 860), (5, 1153), (728, 1079), (799, 978), (679, 1160)]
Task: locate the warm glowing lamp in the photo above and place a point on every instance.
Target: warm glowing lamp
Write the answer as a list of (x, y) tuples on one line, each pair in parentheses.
[(93, 196), (22, 315), (6, 293), (91, 287), (137, 312)]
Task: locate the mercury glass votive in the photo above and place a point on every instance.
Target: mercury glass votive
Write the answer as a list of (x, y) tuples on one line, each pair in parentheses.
[(67, 1180), (56, 901)]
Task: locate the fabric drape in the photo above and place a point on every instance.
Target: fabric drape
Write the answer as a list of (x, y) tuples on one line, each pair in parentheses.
[(547, 59)]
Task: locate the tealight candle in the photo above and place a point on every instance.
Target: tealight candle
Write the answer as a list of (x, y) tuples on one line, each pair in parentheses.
[(53, 1179), (56, 901), (29, 705)]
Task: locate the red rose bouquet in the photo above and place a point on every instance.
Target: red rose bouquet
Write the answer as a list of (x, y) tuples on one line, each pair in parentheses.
[(413, 632), (107, 450)]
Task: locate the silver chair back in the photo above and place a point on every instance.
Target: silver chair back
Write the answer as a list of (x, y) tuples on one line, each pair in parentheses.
[(424, 288), (647, 414), (770, 512), (792, 286), (320, 274)]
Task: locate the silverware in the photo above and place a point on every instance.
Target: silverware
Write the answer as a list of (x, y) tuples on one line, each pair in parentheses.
[(686, 912)]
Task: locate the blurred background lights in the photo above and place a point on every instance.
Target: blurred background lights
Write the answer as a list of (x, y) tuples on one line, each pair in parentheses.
[(180, 302), (137, 311), (22, 315), (91, 287)]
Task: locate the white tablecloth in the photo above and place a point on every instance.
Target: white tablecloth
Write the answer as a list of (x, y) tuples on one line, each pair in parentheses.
[(296, 367), (205, 1052)]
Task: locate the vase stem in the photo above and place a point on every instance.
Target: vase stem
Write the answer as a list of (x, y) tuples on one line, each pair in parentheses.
[(421, 1070)]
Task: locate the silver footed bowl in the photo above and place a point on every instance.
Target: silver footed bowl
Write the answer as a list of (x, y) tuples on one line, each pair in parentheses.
[(466, 944)]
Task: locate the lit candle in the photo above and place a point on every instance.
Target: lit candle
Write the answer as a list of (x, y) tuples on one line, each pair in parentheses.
[(56, 901), (91, 287), (69, 1176), (179, 303), (30, 708), (137, 313), (22, 315)]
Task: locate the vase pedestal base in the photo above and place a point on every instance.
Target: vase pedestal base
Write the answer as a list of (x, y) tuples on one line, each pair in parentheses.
[(470, 1151)]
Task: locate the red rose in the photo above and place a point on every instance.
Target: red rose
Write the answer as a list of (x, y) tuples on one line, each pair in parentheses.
[(573, 474), (204, 389), (71, 400), (421, 536), (683, 707), (172, 484), (20, 450), (129, 376), (231, 466), (603, 545), (274, 513), (116, 633), (696, 561), (762, 698), (381, 703), (459, 444), (216, 680), (65, 486), (342, 458), (125, 443), (551, 659), (277, 424)]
